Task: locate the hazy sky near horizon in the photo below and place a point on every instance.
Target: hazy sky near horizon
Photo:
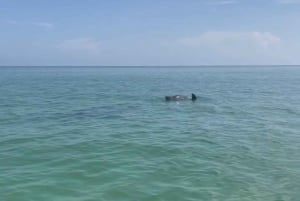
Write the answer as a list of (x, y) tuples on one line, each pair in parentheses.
[(149, 32)]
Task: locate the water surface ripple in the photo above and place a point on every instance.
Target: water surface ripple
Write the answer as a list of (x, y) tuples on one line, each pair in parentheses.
[(107, 134)]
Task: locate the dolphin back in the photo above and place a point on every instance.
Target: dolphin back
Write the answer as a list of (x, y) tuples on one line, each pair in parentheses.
[(194, 97), (180, 98)]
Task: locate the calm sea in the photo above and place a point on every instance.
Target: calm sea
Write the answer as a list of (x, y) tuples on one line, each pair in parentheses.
[(89, 134)]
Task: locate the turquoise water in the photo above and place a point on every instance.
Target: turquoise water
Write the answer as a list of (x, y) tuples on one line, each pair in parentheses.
[(83, 134)]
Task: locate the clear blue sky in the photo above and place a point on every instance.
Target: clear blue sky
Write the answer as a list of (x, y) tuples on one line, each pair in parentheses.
[(149, 32)]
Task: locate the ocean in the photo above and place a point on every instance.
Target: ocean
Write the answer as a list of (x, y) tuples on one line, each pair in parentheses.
[(89, 134)]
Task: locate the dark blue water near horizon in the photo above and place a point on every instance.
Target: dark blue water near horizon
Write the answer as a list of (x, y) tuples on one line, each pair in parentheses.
[(88, 133)]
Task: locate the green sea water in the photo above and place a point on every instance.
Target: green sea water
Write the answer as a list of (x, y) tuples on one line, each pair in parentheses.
[(89, 134)]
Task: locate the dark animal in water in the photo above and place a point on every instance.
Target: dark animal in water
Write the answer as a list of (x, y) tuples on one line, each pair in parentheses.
[(180, 98)]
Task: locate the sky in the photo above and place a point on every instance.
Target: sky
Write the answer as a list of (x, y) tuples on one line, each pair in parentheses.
[(149, 32)]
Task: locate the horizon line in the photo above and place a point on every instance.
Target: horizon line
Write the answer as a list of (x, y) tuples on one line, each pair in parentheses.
[(154, 66)]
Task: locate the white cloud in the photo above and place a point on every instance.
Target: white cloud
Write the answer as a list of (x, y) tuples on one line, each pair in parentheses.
[(288, 1), (265, 39), (261, 39), (222, 2), (207, 48), (9, 21), (45, 25), (234, 47), (85, 46)]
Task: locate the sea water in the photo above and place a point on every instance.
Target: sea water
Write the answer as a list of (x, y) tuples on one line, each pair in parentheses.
[(88, 133)]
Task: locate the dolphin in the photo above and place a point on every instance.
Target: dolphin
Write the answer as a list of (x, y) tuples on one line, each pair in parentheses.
[(181, 97)]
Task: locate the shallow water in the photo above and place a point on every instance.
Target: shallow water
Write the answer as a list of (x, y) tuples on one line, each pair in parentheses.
[(107, 134)]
